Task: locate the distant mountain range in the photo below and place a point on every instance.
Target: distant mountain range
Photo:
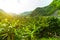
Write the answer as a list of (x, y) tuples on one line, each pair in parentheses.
[(51, 10), (26, 13)]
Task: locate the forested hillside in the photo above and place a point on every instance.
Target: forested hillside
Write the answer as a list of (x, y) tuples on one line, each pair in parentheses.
[(48, 10)]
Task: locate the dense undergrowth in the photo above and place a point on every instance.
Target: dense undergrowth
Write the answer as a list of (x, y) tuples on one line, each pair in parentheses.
[(30, 28)]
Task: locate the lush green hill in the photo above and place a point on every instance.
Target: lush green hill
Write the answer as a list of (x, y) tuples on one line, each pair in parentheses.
[(5, 15), (48, 10)]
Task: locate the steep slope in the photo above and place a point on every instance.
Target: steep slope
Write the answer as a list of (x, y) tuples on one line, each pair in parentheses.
[(48, 10), (56, 13), (5, 15)]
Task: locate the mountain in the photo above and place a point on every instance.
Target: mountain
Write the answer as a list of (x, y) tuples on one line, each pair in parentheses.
[(48, 10), (5, 15), (26, 13)]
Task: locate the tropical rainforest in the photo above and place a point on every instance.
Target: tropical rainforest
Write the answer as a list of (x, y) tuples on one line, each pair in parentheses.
[(43, 23)]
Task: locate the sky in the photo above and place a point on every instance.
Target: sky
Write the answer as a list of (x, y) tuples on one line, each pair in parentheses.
[(19, 6)]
